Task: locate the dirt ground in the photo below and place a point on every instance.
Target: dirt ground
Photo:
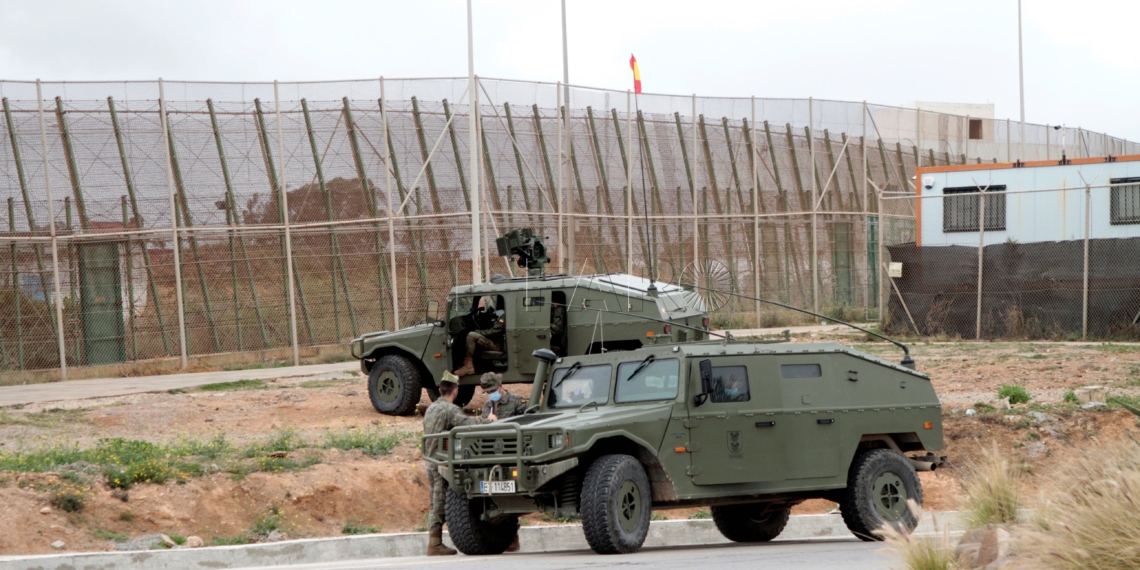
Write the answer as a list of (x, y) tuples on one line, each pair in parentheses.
[(388, 493)]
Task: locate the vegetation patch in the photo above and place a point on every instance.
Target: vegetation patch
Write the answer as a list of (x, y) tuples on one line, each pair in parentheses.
[(231, 386), (372, 442), (1016, 394), (357, 528)]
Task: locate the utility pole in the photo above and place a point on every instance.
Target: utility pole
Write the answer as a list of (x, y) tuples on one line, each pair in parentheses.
[(473, 146), (568, 206), (1021, 81)]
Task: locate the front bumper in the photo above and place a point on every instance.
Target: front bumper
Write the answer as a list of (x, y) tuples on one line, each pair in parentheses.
[(501, 455)]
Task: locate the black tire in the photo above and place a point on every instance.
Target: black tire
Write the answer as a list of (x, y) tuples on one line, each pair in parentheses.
[(616, 505), (466, 392), (751, 523), (879, 484), (470, 534), (394, 385)]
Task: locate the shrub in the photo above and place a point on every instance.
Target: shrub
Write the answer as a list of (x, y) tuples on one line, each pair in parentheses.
[(373, 443), (117, 477), (1071, 397), (701, 514), (69, 498), (993, 490), (1016, 394), (126, 516)]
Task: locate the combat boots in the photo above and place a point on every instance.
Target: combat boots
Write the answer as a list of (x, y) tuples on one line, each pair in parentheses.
[(435, 543), (467, 369)]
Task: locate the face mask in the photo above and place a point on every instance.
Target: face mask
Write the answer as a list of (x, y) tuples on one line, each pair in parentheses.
[(731, 392), (495, 396)]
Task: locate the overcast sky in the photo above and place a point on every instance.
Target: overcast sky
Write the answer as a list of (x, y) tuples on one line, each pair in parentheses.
[(1082, 67)]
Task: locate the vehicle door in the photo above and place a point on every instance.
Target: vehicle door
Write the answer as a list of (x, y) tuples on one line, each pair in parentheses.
[(529, 330), (809, 404), (458, 322), (736, 435)]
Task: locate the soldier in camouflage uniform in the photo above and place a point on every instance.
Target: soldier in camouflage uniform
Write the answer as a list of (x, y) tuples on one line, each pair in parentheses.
[(500, 402), (440, 417), (558, 328), (485, 339)]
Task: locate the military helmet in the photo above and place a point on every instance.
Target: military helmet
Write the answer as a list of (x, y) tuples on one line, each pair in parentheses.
[(491, 381)]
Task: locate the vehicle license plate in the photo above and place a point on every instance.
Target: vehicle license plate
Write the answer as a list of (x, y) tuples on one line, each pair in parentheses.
[(496, 487)]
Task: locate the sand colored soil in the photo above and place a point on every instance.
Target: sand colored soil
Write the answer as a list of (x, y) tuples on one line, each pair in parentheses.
[(350, 487)]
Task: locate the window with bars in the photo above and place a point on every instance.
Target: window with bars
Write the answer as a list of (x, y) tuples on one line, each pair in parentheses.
[(960, 209), (1125, 207)]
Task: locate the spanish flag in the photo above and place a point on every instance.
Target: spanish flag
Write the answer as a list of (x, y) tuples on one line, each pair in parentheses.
[(636, 74)]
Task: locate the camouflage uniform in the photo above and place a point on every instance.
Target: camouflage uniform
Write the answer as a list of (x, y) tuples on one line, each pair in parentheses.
[(440, 417), (486, 339), (509, 405), (557, 329)]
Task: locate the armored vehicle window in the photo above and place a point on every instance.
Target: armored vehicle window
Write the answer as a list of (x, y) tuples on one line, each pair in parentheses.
[(801, 371), (460, 306), (586, 384), (730, 384), (656, 381)]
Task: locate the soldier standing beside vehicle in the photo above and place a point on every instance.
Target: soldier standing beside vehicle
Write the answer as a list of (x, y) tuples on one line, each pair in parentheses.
[(485, 339), (441, 416), (500, 402)]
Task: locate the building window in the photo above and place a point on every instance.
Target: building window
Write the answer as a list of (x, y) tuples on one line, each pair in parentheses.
[(960, 209), (1125, 201), (975, 129)]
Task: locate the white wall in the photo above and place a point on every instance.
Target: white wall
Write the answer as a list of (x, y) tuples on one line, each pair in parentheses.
[(1035, 217)]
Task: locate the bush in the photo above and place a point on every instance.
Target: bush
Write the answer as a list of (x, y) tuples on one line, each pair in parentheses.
[(371, 442), (1016, 394), (69, 498), (993, 490), (355, 528), (1070, 397)]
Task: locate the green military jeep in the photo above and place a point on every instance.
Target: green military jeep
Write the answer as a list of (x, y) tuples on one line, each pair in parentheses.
[(568, 315), (749, 429)]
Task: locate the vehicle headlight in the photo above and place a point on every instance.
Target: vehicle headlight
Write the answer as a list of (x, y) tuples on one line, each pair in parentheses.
[(557, 440), (458, 444)]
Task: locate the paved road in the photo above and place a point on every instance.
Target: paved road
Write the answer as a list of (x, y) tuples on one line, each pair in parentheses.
[(105, 387), (840, 554)]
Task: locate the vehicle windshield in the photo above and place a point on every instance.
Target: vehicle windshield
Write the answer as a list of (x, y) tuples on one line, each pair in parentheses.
[(588, 384), (460, 306), (657, 380)]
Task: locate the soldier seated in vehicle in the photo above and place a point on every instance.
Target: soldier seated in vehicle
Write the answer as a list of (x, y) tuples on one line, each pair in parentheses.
[(489, 338), (558, 324), (730, 389)]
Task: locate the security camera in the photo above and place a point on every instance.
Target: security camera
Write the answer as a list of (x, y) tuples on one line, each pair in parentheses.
[(1056, 127)]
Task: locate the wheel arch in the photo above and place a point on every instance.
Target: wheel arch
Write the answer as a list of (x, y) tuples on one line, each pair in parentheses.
[(367, 362), (660, 484)]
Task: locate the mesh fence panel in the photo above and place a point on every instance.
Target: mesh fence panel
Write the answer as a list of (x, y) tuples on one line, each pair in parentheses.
[(359, 193)]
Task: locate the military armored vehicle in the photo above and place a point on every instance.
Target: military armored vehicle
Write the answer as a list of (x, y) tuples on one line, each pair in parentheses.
[(749, 429), (568, 315)]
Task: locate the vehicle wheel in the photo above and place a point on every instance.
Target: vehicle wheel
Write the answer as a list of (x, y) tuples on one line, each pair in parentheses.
[(471, 534), (466, 392), (879, 484), (751, 523), (394, 385), (616, 505)]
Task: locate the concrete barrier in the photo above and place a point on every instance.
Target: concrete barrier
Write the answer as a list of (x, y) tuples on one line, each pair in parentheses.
[(362, 547)]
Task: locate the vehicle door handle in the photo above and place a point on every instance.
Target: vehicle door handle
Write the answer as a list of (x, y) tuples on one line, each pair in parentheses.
[(825, 421), (765, 424)]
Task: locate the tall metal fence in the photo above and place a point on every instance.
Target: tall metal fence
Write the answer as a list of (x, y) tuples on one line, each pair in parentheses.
[(151, 219)]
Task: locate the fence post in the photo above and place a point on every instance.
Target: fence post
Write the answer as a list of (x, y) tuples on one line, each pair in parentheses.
[(1085, 275), (565, 260), (388, 196), (981, 253), (16, 285), (173, 228), (867, 220), (814, 209), (288, 235), (753, 159), (693, 187), (130, 271), (629, 189)]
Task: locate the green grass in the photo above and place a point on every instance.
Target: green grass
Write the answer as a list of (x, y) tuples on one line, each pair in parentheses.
[(658, 517), (230, 540), (233, 386), (1070, 397), (701, 514), (126, 516), (371, 442), (283, 440), (109, 535), (356, 528), (1016, 394)]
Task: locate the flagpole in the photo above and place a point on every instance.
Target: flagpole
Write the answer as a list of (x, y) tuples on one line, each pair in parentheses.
[(641, 162)]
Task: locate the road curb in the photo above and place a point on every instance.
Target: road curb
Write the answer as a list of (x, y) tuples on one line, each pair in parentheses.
[(318, 550)]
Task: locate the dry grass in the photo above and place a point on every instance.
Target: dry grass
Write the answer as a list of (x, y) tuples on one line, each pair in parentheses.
[(993, 490), (1090, 513), (921, 553)]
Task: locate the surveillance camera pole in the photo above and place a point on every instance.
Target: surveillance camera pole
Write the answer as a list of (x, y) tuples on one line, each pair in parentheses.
[(1021, 82)]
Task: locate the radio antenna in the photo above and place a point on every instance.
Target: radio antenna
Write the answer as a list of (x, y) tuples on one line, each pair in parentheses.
[(644, 199)]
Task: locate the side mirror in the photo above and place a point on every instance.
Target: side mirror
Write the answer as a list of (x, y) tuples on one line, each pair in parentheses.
[(432, 311), (706, 382)]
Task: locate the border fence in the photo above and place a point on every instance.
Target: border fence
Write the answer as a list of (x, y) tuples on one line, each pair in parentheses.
[(160, 218)]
